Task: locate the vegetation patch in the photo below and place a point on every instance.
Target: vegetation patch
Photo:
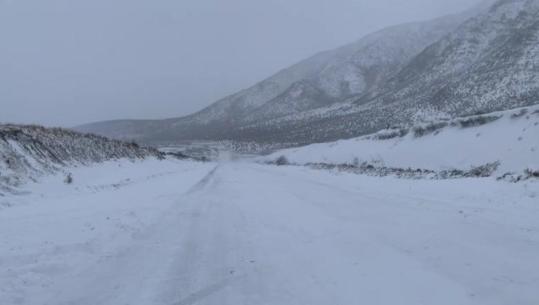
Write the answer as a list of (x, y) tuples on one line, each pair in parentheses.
[(365, 168), (519, 114), (420, 131), (475, 121), (391, 134), (281, 161), (515, 177)]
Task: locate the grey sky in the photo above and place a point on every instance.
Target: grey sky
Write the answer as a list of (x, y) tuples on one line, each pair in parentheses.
[(67, 62)]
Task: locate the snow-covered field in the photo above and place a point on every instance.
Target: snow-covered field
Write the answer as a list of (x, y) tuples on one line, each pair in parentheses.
[(512, 140), (178, 233)]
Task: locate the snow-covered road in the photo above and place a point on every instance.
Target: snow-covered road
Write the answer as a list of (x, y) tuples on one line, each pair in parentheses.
[(241, 233)]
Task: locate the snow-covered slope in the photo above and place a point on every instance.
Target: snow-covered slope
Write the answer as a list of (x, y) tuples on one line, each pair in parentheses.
[(510, 138), (489, 63), (29, 152)]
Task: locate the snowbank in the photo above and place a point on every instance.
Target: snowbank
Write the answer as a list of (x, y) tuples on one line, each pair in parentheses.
[(510, 138)]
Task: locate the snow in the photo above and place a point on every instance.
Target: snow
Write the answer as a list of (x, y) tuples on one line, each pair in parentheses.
[(134, 227), (52, 235), (28, 153), (182, 232), (514, 142)]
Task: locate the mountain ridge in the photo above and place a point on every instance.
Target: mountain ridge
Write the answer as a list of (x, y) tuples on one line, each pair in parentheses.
[(442, 67)]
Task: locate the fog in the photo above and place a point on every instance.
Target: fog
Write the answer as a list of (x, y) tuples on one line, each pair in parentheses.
[(68, 62)]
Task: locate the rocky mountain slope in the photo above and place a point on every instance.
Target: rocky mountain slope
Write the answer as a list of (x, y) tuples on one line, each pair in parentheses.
[(484, 60), (28, 152), (490, 62)]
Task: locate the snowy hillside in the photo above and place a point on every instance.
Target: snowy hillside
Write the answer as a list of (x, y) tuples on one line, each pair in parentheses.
[(488, 63), (509, 139), (29, 152)]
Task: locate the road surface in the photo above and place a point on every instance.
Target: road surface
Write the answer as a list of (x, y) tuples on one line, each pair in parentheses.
[(241, 233)]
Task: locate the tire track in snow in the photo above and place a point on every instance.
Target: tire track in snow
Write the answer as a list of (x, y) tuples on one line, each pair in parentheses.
[(204, 182)]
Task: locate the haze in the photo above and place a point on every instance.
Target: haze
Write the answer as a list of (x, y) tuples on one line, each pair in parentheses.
[(68, 62)]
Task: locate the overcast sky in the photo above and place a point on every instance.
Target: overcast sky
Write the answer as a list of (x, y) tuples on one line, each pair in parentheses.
[(68, 62)]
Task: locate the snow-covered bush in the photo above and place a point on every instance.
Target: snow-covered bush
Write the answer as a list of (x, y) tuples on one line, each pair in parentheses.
[(484, 170), (423, 130), (519, 114), (282, 160), (530, 173), (476, 120), (390, 134), (69, 179)]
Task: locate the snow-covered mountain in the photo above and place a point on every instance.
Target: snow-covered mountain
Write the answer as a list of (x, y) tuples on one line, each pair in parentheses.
[(28, 152), (490, 62), (324, 79), (484, 60)]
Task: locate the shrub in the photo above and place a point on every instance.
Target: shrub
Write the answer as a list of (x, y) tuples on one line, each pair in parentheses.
[(530, 173), (519, 114), (282, 160), (390, 134), (68, 179), (420, 131), (477, 121), (484, 170)]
